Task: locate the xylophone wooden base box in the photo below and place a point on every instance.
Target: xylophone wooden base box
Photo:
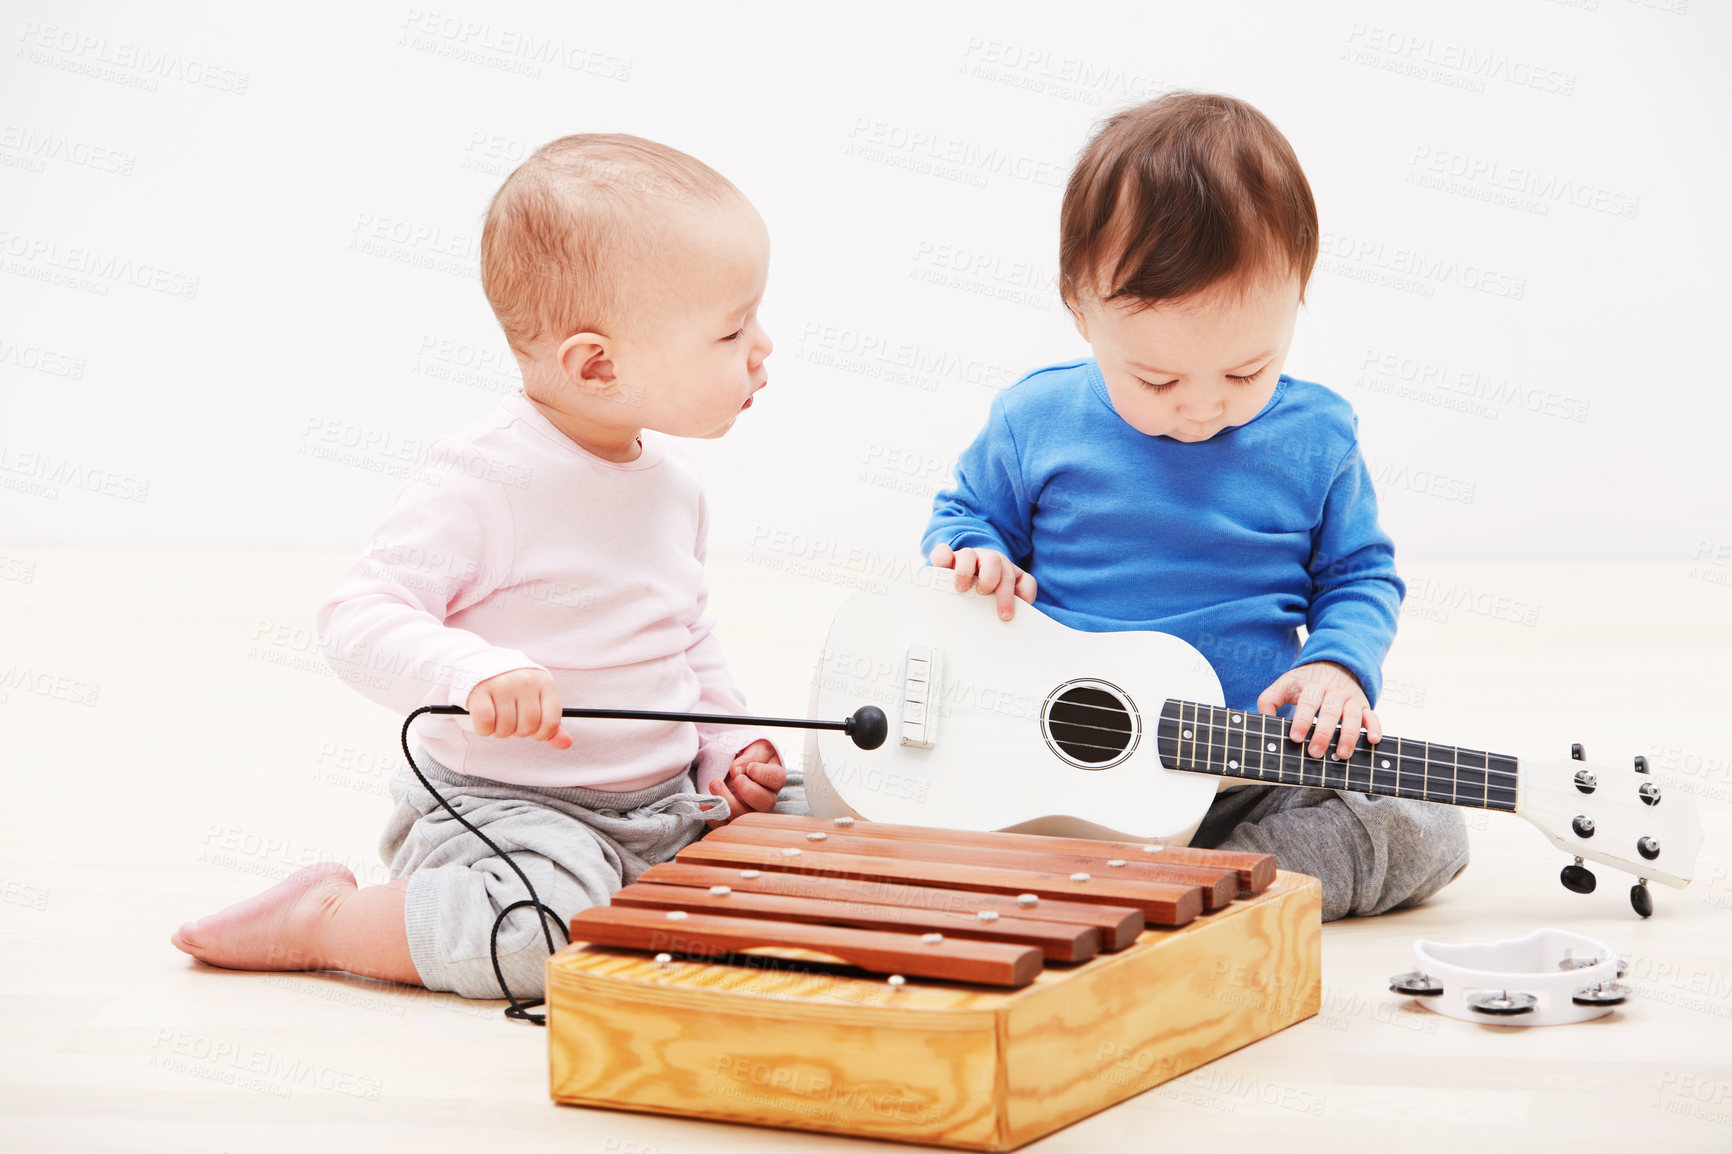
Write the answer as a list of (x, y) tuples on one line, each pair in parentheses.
[(941, 1063)]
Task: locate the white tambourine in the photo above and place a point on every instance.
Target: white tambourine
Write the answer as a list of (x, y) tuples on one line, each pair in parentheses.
[(1549, 978)]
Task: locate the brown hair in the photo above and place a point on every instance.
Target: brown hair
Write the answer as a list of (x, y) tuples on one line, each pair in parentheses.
[(1182, 193), (566, 221)]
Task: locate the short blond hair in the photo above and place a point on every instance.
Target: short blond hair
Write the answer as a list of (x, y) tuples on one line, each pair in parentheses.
[(570, 218)]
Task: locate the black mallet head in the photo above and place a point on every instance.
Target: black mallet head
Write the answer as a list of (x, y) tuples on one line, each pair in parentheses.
[(868, 727)]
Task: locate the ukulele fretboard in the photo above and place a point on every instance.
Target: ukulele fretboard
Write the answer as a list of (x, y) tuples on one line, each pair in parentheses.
[(1242, 744)]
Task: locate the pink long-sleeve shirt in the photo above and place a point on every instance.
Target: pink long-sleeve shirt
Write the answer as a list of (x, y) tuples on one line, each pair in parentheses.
[(515, 548)]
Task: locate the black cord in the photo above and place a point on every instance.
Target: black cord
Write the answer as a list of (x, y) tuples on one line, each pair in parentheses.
[(866, 726), (517, 1011)]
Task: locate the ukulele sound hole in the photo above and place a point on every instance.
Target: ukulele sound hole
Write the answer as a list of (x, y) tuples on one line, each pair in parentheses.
[(1091, 724)]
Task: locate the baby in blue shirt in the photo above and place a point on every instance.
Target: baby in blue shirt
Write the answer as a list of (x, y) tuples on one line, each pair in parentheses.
[(1178, 481)]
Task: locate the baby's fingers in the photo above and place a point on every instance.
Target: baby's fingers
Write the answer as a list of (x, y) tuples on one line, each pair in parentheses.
[(943, 557), (528, 714), (750, 792), (1004, 587), (720, 789), (767, 774), (1373, 727), (504, 715), (1350, 719), (998, 579), (1304, 709), (481, 712), (991, 565), (1328, 717), (551, 730), (1277, 695), (966, 561)]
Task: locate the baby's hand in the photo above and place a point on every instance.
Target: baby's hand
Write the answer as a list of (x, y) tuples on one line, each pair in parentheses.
[(521, 703), (752, 781), (1331, 693), (997, 574)]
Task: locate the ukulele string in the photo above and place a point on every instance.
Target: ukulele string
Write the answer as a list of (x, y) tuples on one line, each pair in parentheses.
[(1224, 746), (1435, 753), (1225, 749)]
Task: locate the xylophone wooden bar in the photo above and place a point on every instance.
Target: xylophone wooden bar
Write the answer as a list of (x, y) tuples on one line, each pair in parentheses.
[(928, 955), (1162, 903), (1255, 870), (1056, 941), (1118, 926), (1219, 884)]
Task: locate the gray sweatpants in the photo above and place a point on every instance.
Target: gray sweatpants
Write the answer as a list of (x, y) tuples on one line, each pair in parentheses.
[(1372, 854), (577, 846)]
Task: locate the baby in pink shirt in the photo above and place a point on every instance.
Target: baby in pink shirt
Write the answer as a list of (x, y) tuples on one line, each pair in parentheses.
[(551, 554), (524, 541)]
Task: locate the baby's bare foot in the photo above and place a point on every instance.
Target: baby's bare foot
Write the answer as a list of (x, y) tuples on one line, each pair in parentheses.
[(280, 929)]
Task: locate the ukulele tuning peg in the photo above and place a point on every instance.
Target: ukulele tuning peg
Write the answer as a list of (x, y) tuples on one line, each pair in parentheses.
[(1577, 753), (1642, 899), (1578, 878), (1641, 764)]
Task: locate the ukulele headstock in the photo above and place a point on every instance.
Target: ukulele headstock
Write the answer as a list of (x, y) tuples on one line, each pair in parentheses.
[(1618, 815)]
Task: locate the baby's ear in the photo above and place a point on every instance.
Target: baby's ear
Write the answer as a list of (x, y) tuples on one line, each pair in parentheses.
[(586, 360), (1076, 316)]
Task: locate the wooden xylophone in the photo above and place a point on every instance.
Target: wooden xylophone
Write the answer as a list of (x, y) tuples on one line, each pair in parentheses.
[(896, 899), (939, 986)]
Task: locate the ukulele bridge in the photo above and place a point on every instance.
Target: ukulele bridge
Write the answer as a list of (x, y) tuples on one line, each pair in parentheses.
[(920, 683)]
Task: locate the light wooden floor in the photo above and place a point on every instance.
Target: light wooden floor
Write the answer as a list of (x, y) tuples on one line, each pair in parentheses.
[(190, 747)]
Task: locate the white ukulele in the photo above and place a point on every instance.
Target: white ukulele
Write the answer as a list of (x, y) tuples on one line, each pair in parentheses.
[(1030, 725)]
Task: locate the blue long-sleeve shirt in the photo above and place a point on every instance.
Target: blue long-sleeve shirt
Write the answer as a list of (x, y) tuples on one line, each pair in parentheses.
[(1230, 544)]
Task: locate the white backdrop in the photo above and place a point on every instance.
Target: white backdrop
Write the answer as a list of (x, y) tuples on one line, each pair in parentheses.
[(239, 248)]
